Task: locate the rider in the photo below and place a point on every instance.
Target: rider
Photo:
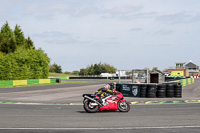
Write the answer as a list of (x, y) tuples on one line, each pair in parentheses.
[(103, 92)]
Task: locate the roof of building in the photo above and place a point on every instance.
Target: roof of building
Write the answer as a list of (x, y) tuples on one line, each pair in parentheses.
[(157, 71), (191, 65)]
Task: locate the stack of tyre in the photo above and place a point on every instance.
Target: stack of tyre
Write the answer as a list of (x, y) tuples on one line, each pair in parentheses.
[(168, 90), (177, 90), (143, 90), (151, 91), (173, 90), (161, 91)]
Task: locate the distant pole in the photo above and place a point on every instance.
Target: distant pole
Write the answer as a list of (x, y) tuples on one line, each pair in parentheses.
[(119, 76), (132, 76), (147, 76)]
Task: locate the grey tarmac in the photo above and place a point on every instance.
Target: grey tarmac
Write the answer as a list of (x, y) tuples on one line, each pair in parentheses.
[(65, 118), (72, 93)]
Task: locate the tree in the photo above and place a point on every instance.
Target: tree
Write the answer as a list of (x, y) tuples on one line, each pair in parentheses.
[(19, 37), (24, 64), (82, 71), (165, 70), (7, 39), (154, 68), (58, 69), (17, 60), (109, 68), (30, 43), (97, 69), (75, 72), (51, 68), (90, 70), (55, 68)]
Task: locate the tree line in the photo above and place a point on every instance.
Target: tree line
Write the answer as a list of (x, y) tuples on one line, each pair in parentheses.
[(97, 69), (19, 59)]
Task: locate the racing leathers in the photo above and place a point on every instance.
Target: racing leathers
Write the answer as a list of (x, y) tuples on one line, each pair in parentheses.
[(103, 92)]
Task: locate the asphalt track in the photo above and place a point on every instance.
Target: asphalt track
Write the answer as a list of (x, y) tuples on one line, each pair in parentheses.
[(164, 118), (72, 93), (60, 118)]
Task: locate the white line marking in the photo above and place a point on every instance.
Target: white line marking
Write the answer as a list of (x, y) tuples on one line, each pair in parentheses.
[(126, 128)]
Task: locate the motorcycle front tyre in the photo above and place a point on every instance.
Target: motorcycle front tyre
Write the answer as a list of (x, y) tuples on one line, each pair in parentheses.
[(121, 109), (88, 108)]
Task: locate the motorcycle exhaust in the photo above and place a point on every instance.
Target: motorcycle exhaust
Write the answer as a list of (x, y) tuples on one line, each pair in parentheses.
[(93, 100)]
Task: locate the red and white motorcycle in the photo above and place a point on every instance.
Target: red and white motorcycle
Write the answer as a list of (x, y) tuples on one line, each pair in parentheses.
[(111, 102)]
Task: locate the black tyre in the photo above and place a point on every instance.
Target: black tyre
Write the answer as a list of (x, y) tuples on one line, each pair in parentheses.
[(178, 96), (161, 96), (169, 91), (151, 95), (169, 94), (161, 91), (90, 108), (143, 87), (161, 87), (123, 107)]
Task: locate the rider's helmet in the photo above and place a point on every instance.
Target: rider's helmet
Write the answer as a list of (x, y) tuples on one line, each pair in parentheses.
[(111, 86), (107, 87)]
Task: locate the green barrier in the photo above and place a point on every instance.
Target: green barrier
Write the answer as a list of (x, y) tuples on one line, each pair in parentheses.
[(184, 82), (26, 82), (6, 83), (52, 80), (32, 81)]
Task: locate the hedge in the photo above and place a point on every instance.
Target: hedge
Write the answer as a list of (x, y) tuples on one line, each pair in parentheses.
[(24, 64)]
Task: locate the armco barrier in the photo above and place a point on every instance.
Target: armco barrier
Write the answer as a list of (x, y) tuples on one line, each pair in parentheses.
[(6, 83), (184, 82), (26, 82), (19, 82), (32, 81)]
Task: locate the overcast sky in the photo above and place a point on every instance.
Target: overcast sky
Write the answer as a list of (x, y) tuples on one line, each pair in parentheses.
[(128, 34)]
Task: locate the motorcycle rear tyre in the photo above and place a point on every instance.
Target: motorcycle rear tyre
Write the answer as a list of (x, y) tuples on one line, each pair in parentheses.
[(88, 109), (123, 110)]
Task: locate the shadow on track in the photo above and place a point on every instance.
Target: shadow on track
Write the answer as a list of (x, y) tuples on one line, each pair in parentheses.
[(104, 111)]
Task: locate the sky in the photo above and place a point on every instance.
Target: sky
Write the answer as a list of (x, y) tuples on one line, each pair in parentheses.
[(127, 34)]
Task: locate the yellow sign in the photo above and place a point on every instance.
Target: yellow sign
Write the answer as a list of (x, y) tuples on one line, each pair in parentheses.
[(177, 73)]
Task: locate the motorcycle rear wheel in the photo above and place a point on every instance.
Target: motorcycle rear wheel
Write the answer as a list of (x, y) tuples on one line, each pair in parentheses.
[(123, 107), (89, 108)]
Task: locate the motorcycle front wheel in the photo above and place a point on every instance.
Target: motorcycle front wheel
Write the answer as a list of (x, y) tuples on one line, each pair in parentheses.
[(123, 107), (90, 108)]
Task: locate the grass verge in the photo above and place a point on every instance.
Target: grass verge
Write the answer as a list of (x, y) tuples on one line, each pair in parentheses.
[(62, 82)]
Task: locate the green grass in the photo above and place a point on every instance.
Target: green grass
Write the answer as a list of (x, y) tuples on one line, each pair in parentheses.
[(61, 75), (57, 75), (62, 82)]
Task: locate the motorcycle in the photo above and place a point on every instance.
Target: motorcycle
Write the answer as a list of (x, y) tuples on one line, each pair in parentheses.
[(114, 102)]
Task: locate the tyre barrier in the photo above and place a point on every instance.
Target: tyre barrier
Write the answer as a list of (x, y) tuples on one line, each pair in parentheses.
[(143, 90), (161, 91), (170, 90), (58, 80), (165, 90), (151, 91), (177, 90)]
